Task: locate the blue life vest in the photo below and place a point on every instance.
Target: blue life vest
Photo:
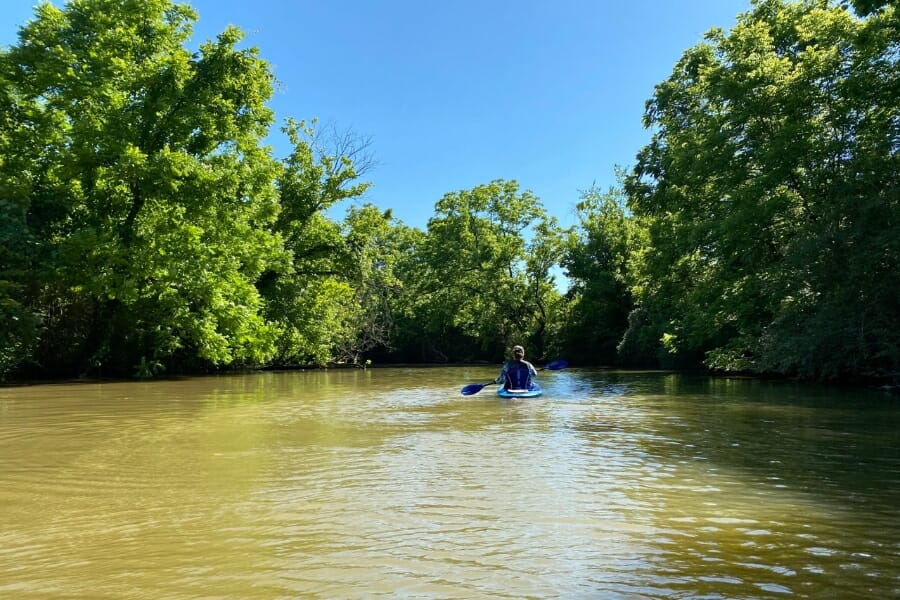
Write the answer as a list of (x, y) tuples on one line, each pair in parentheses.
[(518, 376)]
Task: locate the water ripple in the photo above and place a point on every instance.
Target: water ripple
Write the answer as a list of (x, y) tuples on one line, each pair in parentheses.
[(384, 483)]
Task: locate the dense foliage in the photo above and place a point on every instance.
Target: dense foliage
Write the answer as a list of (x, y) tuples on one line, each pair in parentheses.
[(482, 277), (596, 261), (770, 193), (146, 227), (141, 209)]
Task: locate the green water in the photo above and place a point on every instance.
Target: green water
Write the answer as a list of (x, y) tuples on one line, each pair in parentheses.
[(388, 482)]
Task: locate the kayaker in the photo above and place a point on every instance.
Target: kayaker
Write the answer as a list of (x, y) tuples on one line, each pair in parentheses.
[(516, 374)]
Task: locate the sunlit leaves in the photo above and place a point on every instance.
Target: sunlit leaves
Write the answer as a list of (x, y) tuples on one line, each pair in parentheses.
[(487, 277), (312, 296), (147, 188), (773, 152), (596, 263)]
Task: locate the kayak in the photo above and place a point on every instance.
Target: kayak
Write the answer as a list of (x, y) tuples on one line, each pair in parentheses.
[(532, 392)]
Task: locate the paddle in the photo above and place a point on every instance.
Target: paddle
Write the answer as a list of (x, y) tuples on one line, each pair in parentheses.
[(474, 388)]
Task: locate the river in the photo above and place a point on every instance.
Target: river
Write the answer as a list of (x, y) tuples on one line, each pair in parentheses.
[(389, 483)]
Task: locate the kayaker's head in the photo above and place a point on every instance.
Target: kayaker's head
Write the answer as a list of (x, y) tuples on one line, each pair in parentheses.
[(518, 352)]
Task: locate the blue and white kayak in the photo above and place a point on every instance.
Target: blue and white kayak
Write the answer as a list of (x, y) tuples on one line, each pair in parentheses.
[(532, 392)]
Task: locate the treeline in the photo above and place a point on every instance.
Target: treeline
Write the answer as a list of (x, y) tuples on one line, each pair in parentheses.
[(146, 228)]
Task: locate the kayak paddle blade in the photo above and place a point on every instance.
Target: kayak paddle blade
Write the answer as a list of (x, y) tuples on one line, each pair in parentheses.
[(473, 388), (557, 365)]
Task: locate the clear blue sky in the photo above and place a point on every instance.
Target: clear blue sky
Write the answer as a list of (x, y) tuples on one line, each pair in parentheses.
[(459, 93)]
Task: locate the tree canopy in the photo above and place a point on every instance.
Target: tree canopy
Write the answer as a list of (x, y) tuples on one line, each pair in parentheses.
[(147, 227), (137, 190), (483, 277), (770, 193)]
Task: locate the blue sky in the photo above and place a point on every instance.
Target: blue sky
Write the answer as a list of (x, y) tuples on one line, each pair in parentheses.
[(459, 93)]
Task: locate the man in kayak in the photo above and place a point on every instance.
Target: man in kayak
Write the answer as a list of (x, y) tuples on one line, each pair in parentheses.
[(516, 374)]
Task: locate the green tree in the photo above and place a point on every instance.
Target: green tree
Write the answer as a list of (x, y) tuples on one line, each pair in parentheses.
[(486, 277), (18, 338), (409, 313), (310, 297), (596, 263), (543, 255), (137, 188), (770, 193), (379, 246), (867, 7)]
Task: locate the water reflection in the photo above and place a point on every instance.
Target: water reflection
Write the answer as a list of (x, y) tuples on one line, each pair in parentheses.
[(352, 484)]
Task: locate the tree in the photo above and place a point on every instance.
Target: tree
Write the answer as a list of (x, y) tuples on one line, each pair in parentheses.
[(770, 192), (18, 338), (596, 263), (310, 296), (543, 254), (379, 245), (138, 189), (480, 288), (868, 7)]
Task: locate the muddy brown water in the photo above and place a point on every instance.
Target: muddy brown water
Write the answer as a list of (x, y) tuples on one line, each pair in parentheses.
[(389, 483)]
